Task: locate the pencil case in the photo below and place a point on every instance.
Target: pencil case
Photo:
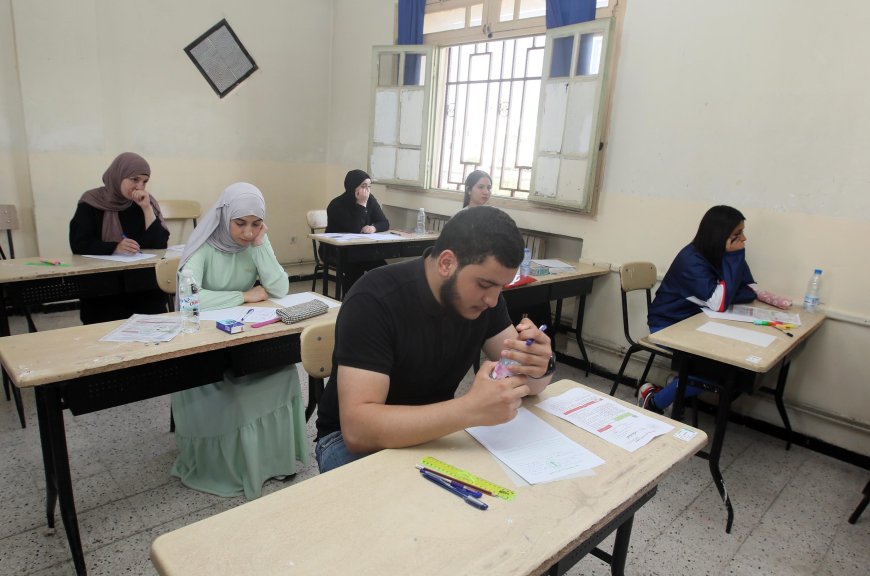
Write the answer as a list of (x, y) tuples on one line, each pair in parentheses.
[(302, 311), (773, 299)]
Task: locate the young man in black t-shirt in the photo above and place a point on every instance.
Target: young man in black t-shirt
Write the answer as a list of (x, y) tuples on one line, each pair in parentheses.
[(407, 334)]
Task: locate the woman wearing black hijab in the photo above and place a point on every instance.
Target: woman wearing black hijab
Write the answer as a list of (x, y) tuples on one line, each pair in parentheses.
[(357, 212)]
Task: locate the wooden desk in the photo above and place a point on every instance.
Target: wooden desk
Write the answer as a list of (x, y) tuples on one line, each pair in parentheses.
[(734, 365), (404, 245), (557, 287), (84, 375), (377, 516), (22, 283)]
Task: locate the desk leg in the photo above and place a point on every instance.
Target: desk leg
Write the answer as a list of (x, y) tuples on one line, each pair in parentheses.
[(581, 312), (16, 393), (58, 482), (340, 262), (725, 395), (780, 404), (620, 547)]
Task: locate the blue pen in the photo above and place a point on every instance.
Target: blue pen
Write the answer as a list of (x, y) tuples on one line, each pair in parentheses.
[(442, 483), (245, 315), (463, 488), (531, 341)]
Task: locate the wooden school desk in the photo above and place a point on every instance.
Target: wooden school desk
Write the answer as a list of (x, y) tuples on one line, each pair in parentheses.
[(405, 244), (377, 515), (545, 289), (84, 375), (28, 281), (735, 366)]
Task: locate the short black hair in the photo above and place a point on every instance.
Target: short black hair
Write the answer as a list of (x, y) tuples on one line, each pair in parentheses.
[(713, 232), (476, 233)]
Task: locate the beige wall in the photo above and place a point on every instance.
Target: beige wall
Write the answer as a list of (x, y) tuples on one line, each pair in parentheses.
[(746, 103)]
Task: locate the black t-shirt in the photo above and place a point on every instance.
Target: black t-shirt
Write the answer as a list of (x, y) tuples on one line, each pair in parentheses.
[(391, 323)]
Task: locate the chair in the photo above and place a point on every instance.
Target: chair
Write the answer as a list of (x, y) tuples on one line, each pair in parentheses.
[(167, 279), (317, 220), (180, 210), (8, 222), (317, 342), (166, 271), (861, 505), (637, 276)]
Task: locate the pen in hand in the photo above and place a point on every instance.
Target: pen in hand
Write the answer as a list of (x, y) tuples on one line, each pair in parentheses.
[(531, 341)]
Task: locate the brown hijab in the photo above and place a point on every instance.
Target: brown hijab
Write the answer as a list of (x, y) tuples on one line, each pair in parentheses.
[(109, 199)]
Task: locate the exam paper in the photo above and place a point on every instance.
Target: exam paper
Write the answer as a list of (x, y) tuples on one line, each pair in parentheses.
[(293, 299), (609, 420), (348, 237), (741, 334), (553, 264), (248, 313), (145, 328), (534, 449), (741, 313), (121, 257)]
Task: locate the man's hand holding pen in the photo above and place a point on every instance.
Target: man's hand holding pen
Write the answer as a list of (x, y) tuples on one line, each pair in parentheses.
[(532, 349)]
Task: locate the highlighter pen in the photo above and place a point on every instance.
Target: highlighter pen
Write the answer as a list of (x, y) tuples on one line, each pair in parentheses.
[(51, 261), (766, 322), (443, 484), (531, 341)]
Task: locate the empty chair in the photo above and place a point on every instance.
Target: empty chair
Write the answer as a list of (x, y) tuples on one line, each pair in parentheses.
[(317, 220), (637, 276), (317, 342), (180, 210), (8, 222)]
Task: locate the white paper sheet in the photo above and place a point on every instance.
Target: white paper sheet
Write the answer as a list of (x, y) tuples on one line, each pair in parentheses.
[(348, 237), (629, 429), (741, 334), (534, 449), (741, 313), (145, 328), (292, 299), (246, 314), (121, 257), (553, 264)]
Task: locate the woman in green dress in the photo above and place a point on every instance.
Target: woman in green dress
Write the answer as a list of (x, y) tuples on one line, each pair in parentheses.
[(234, 434)]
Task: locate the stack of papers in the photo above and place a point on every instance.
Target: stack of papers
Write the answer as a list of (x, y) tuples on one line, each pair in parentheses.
[(555, 266)]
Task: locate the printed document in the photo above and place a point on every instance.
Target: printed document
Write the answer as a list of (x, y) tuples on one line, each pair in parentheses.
[(121, 257), (741, 334), (609, 420), (535, 450), (145, 328)]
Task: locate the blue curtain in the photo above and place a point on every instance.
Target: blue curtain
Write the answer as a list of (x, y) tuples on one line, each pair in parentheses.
[(563, 13), (411, 14)]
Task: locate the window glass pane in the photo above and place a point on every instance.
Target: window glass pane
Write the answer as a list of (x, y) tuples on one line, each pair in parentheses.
[(388, 70), (560, 63), (506, 13), (444, 20), (589, 62), (415, 66), (532, 8), (475, 15)]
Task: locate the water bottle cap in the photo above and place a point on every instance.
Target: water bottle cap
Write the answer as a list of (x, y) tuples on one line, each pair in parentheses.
[(819, 271)]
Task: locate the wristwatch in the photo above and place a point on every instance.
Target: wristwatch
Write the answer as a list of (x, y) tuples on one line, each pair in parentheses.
[(551, 367)]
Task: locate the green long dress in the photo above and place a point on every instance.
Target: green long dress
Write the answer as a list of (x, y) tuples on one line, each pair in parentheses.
[(235, 434)]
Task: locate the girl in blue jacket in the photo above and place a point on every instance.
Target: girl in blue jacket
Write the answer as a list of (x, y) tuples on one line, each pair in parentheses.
[(710, 272)]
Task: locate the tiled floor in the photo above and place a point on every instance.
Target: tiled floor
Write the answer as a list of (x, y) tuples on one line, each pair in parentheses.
[(791, 507)]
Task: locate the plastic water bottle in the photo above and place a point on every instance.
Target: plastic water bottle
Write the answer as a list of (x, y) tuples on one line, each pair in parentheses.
[(188, 299), (811, 300), (421, 222), (525, 267), (501, 369)]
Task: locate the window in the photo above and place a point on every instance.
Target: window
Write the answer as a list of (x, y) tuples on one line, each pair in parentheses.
[(501, 94)]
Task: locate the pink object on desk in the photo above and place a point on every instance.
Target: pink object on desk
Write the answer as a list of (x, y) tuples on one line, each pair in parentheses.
[(774, 300), (265, 323)]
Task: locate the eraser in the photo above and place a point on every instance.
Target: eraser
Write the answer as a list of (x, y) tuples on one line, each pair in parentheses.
[(230, 326)]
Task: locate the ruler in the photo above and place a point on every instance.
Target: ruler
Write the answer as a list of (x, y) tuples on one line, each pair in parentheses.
[(467, 478)]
